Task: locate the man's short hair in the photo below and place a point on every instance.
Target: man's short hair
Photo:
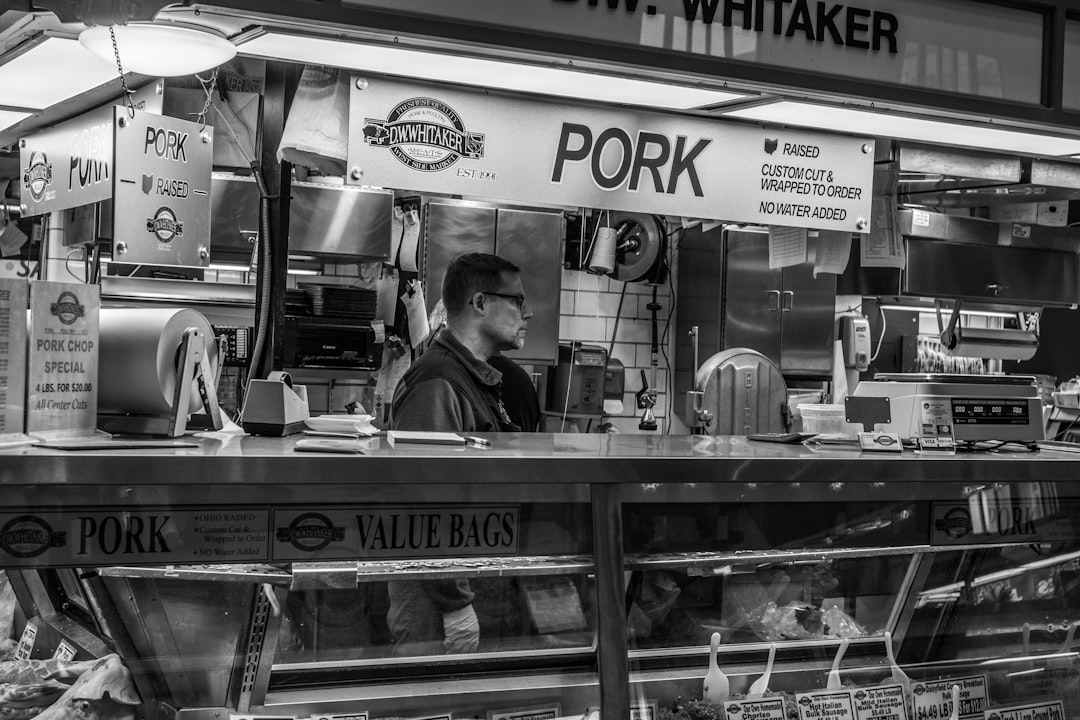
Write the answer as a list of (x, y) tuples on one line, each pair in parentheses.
[(473, 273)]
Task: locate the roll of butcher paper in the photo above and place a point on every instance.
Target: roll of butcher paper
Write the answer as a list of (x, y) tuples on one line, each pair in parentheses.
[(139, 354)]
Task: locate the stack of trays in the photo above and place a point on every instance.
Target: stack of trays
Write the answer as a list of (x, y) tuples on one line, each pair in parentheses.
[(340, 302)]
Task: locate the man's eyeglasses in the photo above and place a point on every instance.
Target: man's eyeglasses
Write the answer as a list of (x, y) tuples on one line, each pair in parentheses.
[(518, 300)]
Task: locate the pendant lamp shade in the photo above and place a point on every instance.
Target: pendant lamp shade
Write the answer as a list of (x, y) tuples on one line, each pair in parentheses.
[(160, 50)]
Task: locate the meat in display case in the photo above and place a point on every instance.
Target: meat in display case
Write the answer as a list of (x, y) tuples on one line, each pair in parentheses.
[(808, 589)]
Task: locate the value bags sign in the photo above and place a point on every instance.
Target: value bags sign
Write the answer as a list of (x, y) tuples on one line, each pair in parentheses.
[(522, 150)]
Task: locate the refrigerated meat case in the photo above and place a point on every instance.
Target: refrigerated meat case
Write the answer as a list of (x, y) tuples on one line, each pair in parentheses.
[(627, 554)]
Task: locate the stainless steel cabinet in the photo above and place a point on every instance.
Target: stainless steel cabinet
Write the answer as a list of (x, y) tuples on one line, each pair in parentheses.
[(530, 239), (786, 315)]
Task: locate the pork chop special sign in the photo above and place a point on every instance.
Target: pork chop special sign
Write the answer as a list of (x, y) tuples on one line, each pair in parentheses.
[(516, 149)]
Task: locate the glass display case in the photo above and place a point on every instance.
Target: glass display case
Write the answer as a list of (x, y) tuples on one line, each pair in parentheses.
[(869, 586)]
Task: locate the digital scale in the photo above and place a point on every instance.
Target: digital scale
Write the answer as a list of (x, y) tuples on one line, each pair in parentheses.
[(966, 407)]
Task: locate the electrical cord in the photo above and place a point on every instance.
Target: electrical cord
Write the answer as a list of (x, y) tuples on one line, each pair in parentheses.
[(881, 337), (67, 263)]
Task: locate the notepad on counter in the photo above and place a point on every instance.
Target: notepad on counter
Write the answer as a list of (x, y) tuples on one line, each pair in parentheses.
[(418, 437)]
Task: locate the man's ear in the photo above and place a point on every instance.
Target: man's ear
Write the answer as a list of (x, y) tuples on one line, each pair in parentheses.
[(478, 301)]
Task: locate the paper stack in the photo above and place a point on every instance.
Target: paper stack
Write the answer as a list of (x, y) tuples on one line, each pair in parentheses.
[(341, 425)]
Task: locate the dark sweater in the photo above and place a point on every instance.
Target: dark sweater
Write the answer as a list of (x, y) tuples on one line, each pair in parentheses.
[(449, 389)]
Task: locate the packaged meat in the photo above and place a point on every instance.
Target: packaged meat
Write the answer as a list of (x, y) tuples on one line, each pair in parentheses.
[(29, 672), (103, 692)]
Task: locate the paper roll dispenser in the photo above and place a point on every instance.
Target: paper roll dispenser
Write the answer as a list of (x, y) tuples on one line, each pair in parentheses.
[(157, 373)]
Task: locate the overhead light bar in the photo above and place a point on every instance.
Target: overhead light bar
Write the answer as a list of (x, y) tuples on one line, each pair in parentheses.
[(481, 72), (906, 127), (931, 310), (159, 49), (11, 117), (49, 70)]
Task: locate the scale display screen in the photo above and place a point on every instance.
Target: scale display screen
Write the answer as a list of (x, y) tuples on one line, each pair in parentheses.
[(989, 411)]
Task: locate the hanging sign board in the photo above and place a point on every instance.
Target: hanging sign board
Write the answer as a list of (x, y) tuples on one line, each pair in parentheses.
[(14, 298), (162, 183), (885, 41), (63, 358), (455, 142), (70, 164)]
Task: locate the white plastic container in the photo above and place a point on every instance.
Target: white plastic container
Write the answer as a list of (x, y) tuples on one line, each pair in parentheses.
[(826, 419)]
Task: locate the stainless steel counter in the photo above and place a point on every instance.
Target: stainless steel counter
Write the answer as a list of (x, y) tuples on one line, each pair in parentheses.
[(226, 469)]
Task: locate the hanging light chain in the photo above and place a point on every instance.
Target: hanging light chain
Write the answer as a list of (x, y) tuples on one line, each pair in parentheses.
[(120, 70), (208, 86)]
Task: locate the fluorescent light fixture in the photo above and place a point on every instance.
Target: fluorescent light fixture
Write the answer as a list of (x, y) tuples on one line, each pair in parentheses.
[(160, 49), (11, 117), (481, 72), (228, 266), (302, 271), (49, 71), (905, 127), (930, 310)]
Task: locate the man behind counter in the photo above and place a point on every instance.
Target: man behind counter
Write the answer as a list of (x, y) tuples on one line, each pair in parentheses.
[(453, 388)]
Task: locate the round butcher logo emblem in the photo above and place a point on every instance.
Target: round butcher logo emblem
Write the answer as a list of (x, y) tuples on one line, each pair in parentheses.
[(164, 225), (311, 532), (67, 308), (37, 176), (28, 536), (956, 523), (425, 134)]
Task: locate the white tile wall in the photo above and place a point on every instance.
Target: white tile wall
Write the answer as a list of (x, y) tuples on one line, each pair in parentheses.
[(590, 304)]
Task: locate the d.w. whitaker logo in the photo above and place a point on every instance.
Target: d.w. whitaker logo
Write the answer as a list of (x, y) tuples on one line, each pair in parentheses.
[(164, 225), (67, 308), (956, 523), (38, 176), (28, 536), (310, 532), (425, 134)]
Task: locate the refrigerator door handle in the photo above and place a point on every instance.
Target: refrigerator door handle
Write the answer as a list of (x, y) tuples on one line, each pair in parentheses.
[(789, 301), (774, 300)]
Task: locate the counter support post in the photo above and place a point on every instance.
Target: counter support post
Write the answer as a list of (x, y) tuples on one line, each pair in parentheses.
[(610, 602)]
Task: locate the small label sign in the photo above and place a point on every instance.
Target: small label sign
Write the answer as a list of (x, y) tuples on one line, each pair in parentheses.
[(933, 700), (26, 642), (885, 702), (765, 709), (64, 651), (825, 705), (1051, 710)]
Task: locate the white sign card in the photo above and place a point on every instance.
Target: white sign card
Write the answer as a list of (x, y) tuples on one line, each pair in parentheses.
[(63, 357), (461, 142), (771, 708), (1048, 710), (933, 700), (825, 705), (65, 651), (14, 300), (881, 702), (26, 642)]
